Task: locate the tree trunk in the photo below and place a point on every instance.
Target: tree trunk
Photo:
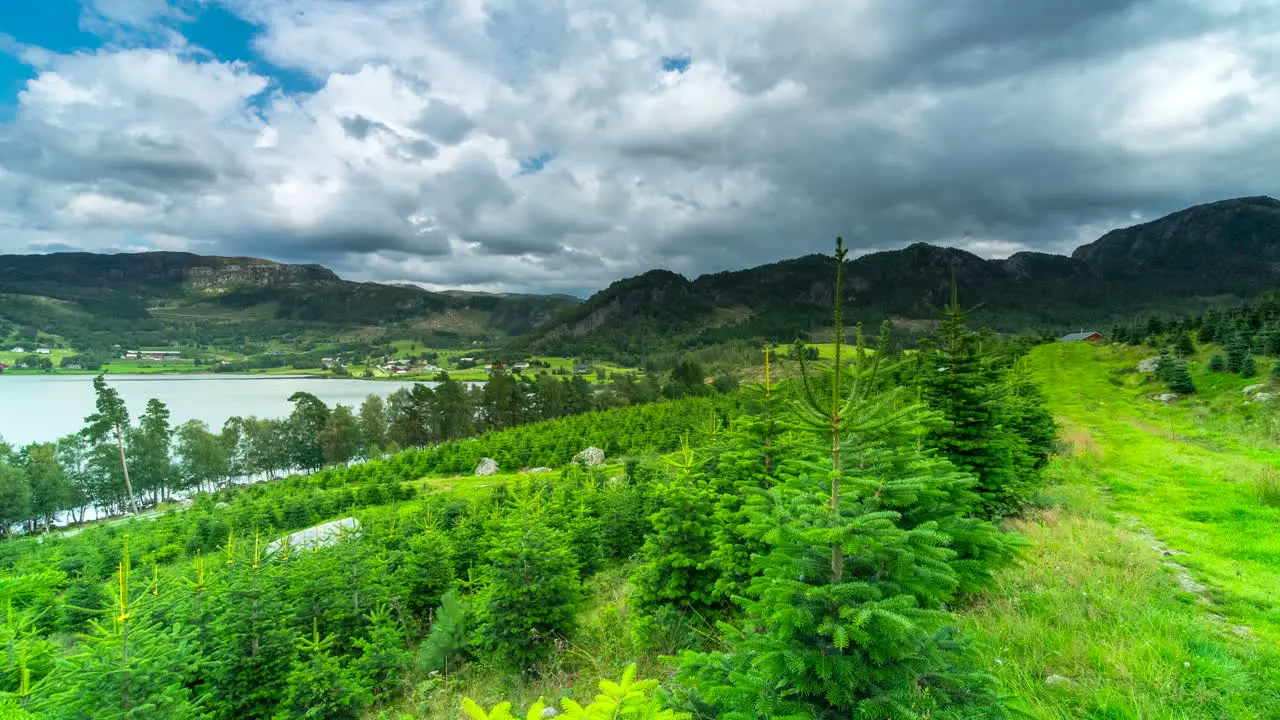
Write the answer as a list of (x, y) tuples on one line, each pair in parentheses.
[(124, 466)]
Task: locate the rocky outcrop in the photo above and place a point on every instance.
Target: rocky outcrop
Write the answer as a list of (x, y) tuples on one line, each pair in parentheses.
[(487, 467), (591, 457)]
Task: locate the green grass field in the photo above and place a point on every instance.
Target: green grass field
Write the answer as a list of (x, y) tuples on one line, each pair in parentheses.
[(1150, 587)]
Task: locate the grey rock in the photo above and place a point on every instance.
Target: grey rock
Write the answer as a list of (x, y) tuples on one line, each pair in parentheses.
[(540, 470), (1148, 365), (1254, 388), (1165, 398), (590, 457), (487, 466), (318, 536), (1264, 396), (1058, 681)]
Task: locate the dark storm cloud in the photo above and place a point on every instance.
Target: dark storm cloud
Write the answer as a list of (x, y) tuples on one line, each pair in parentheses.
[(446, 123), (694, 135)]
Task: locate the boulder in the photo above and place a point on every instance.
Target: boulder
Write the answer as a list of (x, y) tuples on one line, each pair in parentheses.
[(590, 457), (487, 466), (1264, 396), (1165, 398), (1149, 365), (1254, 388), (540, 470), (318, 536)]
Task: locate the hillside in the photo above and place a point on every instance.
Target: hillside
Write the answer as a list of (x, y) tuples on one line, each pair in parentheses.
[(91, 299), (1190, 257)]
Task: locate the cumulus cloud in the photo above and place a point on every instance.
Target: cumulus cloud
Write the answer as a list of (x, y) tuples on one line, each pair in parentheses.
[(550, 147)]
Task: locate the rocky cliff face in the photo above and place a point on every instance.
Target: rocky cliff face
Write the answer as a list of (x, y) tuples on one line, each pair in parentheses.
[(249, 271)]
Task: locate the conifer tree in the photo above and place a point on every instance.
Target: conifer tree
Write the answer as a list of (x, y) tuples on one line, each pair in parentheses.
[(111, 420), (678, 570), (1217, 364), (744, 469), (955, 384), (429, 571), (531, 592), (842, 619), (254, 648), (134, 668), (1183, 346), (1248, 366), (1237, 351), (444, 646), (320, 686), (1178, 379)]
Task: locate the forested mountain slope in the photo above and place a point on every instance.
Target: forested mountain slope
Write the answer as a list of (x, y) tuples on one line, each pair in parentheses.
[(1230, 247), (90, 298)]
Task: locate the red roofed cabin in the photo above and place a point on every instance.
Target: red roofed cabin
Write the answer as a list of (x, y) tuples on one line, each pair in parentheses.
[(1081, 337)]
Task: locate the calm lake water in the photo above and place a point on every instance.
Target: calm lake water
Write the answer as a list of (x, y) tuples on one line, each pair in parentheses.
[(43, 408)]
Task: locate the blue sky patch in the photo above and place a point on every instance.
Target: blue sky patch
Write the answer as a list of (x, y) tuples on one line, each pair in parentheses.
[(535, 164), (676, 63), (58, 26)]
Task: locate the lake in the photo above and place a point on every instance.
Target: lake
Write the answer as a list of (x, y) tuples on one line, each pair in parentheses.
[(43, 408)]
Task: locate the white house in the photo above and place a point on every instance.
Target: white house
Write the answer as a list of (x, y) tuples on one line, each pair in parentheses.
[(44, 351), (19, 350)]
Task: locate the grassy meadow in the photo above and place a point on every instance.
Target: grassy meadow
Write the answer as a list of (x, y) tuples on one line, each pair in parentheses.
[(1150, 583)]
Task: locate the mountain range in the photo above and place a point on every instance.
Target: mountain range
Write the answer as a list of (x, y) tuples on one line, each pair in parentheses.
[(1191, 258), (1196, 256)]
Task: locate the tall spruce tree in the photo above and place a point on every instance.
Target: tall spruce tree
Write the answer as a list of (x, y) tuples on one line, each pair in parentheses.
[(842, 618), (955, 383)]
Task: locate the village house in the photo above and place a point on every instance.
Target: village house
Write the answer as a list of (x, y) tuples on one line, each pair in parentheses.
[(43, 351), (1081, 337)]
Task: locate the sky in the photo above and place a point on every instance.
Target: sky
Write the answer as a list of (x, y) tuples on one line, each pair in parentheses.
[(559, 145)]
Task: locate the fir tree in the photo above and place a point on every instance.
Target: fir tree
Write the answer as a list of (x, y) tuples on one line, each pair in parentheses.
[(1217, 364), (1248, 366), (1179, 380), (447, 641), (429, 571), (678, 570), (134, 668), (253, 647), (1237, 351), (531, 591), (842, 619), (955, 384), (1183, 346), (321, 687)]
